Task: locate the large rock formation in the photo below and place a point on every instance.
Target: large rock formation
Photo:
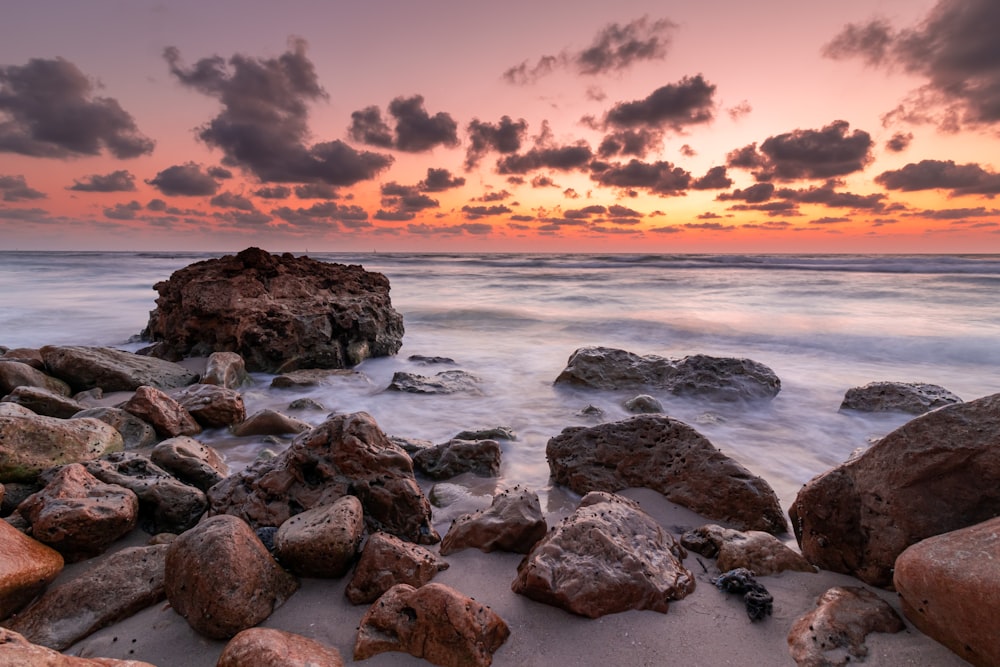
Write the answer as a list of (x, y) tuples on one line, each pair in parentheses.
[(279, 313)]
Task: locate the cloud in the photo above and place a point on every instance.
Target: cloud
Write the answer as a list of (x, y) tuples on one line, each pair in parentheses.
[(123, 211), (585, 212), (960, 179), (542, 181), (185, 180), (156, 205), (416, 130), (273, 192), (829, 220), (661, 178), (402, 202), (739, 111), (714, 179), (828, 196), (220, 173), (636, 142), (755, 194), (674, 106), (232, 200), (316, 191), (560, 158), (955, 213), (439, 180), (117, 181), (263, 126), (15, 188), (368, 127), (687, 151), (899, 142), (476, 212), (47, 109), (807, 154), (504, 137), (320, 214)]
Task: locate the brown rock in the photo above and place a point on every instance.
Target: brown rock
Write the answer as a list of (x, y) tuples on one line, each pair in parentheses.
[(757, 551), (190, 461), (949, 587), (226, 369), (608, 556), (322, 541), (513, 522), (16, 651), (112, 370), (937, 473), (44, 402), (136, 433), (267, 647), (31, 443), (26, 567), (25, 355), (14, 374), (221, 579), (211, 406), (270, 422), (445, 382), (386, 561), (480, 457), (915, 398), (843, 618), (433, 622), (666, 455), (164, 413), (314, 377)]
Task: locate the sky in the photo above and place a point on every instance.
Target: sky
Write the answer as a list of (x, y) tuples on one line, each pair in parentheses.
[(523, 126)]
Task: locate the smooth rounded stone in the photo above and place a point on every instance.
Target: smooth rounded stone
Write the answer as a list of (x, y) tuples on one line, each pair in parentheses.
[(306, 404), (666, 455), (934, 474), (211, 406), (643, 404), (226, 369), (834, 633), (345, 455), (492, 433), (221, 579), (445, 382), (949, 587), (754, 550), (608, 556), (78, 515), (31, 443), (268, 647), (279, 312), (480, 457), (513, 522), (16, 651), (115, 588), (914, 398), (322, 541), (190, 461), (386, 561), (14, 374), (44, 402), (164, 413), (269, 422), (717, 378), (314, 377), (136, 433), (433, 622), (25, 355), (111, 369), (26, 567), (167, 505)]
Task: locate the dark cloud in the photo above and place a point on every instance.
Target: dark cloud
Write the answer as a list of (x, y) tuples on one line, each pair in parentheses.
[(829, 220), (117, 181), (960, 179), (416, 130), (687, 151), (547, 155), (156, 205), (956, 213), (320, 213), (220, 173), (316, 191), (273, 192), (542, 181), (570, 193), (585, 212), (617, 211), (674, 106), (772, 208), (263, 126), (232, 200), (47, 109), (15, 188), (828, 196), (439, 180), (661, 178), (185, 180), (899, 142), (494, 196), (476, 212), (807, 154), (755, 194), (740, 110), (714, 179), (402, 202), (747, 157), (504, 137), (638, 143), (394, 216), (368, 127), (123, 211), (708, 215)]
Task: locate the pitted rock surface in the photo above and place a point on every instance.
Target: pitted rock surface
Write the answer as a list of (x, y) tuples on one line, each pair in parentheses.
[(386, 561), (513, 522), (914, 398), (322, 541)]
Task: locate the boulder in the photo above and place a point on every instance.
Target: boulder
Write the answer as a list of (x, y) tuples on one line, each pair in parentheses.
[(513, 522), (44, 402), (937, 473), (136, 433), (386, 561), (491, 433), (24, 355), (445, 382), (164, 413), (345, 455), (643, 404), (26, 567), (608, 556), (433, 622), (718, 378), (226, 369), (190, 461), (112, 370), (14, 374), (834, 633), (211, 406), (31, 443), (322, 541), (754, 550), (267, 647), (221, 579), (315, 377), (115, 588), (914, 398), (280, 313), (949, 587), (666, 455), (480, 457), (269, 422), (16, 651)]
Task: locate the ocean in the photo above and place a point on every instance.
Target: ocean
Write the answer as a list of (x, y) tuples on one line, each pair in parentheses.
[(823, 323)]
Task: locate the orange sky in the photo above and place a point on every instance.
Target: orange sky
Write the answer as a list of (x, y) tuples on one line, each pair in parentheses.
[(634, 126)]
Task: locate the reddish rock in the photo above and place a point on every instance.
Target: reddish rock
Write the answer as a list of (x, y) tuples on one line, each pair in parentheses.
[(513, 522), (267, 647), (164, 413), (226, 369), (44, 402), (754, 550), (322, 541), (433, 622), (16, 651), (112, 370), (386, 561), (31, 443), (480, 457), (190, 461), (136, 433), (270, 422), (26, 567), (14, 374), (666, 455), (915, 398), (25, 355), (211, 406)]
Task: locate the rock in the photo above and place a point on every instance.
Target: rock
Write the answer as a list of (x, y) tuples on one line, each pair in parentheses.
[(578, 565), (164, 413), (480, 457), (754, 550), (190, 461), (718, 378), (112, 370), (386, 561), (211, 406), (345, 455), (267, 647), (493, 433), (14, 493), (226, 369), (513, 522), (643, 404), (270, 422), (306, 404), (31, 443), (664, 454), (44, 402), (937, 473), (25, 355), (445, 382), (280, 313), (433, 622), (913, 397), (221, 579), (115, 588), (834, 633), (758, 602), (167, 505), (78, 515), (14, 374), (26, 567), (424, 360), (16, 651), (322, 541), (314, 377), (136, 433), (89, 398), (949, 587), (15, 410)]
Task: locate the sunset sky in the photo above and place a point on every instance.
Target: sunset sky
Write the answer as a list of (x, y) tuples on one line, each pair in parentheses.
[(627, 126)]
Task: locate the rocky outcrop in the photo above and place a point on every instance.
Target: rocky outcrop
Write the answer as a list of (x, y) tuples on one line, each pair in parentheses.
[(513, 522), (164, 413), (718, 378), (937, 473), (211, 406), (14, 374), (949, 587), (31, 443), (386, 561), (914, 398), (190, 461), (16, 650), (112, 370), (269, 422), (322, 541), (666, 455), (754, 550), (480, 457), (26, 567), (267, 647), (445, 382), (225, 369), (136, 433), (608, 556), (280, 313)]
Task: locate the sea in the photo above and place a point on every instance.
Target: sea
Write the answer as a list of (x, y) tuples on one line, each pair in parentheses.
[(823, 323)]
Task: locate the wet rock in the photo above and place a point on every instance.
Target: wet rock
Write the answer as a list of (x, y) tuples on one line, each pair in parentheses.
[(25, 355), (306, 404), (17, 651), (949, 587), (914, 398), (115, 588), (211, 406), (267, 647), (26, 567), (493, 433), (424, 360), (834, 633), (937, 473), (480, 457), (345, 455), (31, 443), (513, 522), (164, 413), (386, 561), (666, 455), (190, 461), (221, 579), (591, 412), (136, 433), (433, 622), (322, 541), (112, 370), (314, 377), (226, 369), (608, 556), (643, 404), (758, 602), (44, 402), (270, 422), (445, 382), (280, 313), (754, 550), (14, 374)]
